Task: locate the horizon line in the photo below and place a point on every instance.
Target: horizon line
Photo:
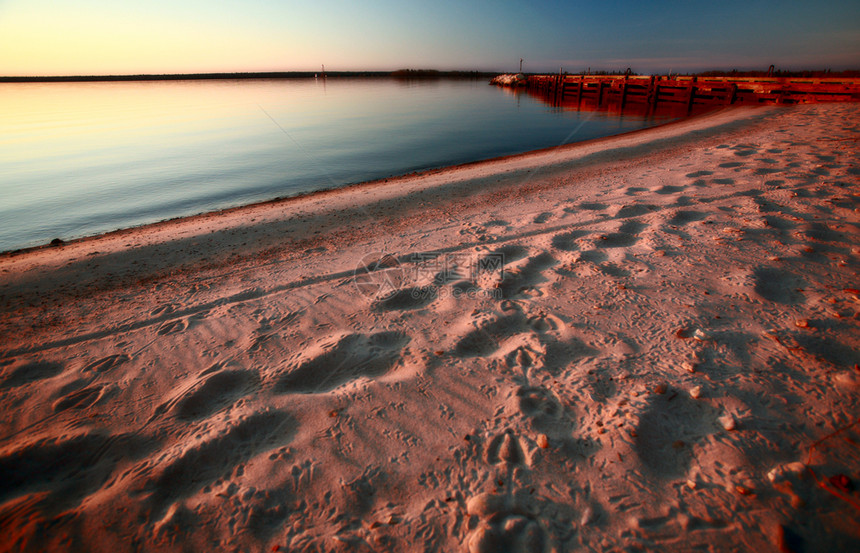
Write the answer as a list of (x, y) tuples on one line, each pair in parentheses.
[(418, 73), (246, 75)]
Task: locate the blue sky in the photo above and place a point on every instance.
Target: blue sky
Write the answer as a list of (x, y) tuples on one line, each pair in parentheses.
[(52, 37)]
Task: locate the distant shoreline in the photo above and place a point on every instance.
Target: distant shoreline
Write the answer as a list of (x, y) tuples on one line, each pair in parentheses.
[(400, 73), (403, 74)]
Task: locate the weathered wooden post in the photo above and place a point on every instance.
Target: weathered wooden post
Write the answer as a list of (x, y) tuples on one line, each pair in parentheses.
[(653, 90), (691, 94), (733, 92), (579, 91), (559, 88), (624, 90)]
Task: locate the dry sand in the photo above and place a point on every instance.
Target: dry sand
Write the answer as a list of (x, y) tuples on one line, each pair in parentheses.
[(647, 342)]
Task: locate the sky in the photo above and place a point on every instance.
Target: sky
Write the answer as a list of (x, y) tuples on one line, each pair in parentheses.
[(110, 37)]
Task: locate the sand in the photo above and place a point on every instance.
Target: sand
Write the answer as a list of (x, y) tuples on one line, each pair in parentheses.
[(646, 342)]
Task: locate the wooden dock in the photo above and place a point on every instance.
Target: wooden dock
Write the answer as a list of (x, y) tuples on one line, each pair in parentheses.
[(658, 93)]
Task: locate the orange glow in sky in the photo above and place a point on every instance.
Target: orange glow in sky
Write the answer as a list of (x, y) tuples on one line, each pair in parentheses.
[(62, 37)]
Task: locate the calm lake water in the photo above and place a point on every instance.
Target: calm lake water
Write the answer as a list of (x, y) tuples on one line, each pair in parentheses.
[(78, 159)]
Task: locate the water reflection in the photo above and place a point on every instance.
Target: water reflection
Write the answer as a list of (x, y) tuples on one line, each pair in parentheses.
[(615, 104), (83, 158)]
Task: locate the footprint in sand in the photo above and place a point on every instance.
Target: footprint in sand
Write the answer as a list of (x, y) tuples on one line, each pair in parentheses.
[(593, 256), (545, 322), (172, 327), (613, 270), (259, 343), (351, 357), (60, 472), (407, 298), (31, 372), (216, 391), (766, 171), (780, 224), (507, 533), (108, 363), (505, 255), (625, 237), (540, 405), (778, 285), (79, 399), (524, 357), (465, 288), (467, 275), (561, 353), (194, 465), (505, 522), (669, 429), (636, 210), (683, 217), (820, 232), (165, 309), (830, 350), (566, 241), (525, 278), (745, 150), (697, 174), (505, 448), (542, 218), (669, 189), (487, 338)]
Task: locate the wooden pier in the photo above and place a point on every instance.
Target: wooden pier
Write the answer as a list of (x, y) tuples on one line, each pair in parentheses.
[(658, 93)]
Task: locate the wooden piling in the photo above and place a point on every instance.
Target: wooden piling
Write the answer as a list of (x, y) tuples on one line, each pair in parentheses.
[(691, 96), (579, 90), (624, 92), (688, 92)]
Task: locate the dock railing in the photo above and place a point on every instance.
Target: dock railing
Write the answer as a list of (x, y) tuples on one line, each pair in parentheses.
[(689, 92)]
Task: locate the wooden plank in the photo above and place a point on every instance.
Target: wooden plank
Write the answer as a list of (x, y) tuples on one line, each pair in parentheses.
[(689, 91)]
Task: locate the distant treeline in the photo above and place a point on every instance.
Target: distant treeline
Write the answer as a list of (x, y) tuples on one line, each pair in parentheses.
[(598, 72), (810, 74), (435, 74), (401, 73), (807, 74)]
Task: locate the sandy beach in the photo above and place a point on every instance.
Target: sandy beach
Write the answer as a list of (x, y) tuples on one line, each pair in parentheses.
[(639, 343)]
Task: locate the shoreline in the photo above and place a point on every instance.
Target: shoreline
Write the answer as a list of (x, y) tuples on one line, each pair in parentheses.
[(644, 342), (372, 183)]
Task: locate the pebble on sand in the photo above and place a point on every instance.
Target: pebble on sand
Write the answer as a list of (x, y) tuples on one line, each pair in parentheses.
[(728, 422), (700, 335), (783, 472)]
